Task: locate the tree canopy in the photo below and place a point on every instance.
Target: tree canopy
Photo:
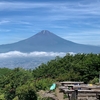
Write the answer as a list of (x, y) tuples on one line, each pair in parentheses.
[(22, 84)]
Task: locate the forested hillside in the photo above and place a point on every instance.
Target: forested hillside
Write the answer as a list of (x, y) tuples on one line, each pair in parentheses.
[(21, 84), (81, 67)]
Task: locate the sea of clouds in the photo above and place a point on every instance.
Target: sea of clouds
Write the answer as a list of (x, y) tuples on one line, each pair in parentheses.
[(31, 54), (30, 60)]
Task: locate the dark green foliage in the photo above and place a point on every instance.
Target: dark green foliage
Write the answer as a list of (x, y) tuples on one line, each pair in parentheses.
[(10, 94), (24, 84), (4, 71), (18, 82), (26, 92), (81, 67), (43, 84)]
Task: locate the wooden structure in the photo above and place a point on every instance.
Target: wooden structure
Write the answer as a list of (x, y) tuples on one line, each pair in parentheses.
[(76, 90), (65, 83)]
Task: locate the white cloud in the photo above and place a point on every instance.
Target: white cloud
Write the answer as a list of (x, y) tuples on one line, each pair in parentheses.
[(90, 37), (4, 21), (4, 30), (31, 54), (56, 7), (22, 5), (56, 10)]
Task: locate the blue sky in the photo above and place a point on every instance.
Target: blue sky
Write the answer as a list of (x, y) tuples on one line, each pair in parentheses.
[(74, 20)]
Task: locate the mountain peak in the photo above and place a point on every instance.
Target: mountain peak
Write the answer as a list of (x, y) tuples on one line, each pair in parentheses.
[(44, 31)]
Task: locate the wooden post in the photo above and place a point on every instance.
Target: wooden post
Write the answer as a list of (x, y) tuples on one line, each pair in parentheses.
[(68, 96), (74, 95), (98, 96)]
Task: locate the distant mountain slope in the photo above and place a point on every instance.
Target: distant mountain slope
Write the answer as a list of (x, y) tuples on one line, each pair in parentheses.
[(47, 41)]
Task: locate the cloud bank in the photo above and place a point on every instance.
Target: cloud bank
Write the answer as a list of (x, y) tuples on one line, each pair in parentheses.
[(32, 54)]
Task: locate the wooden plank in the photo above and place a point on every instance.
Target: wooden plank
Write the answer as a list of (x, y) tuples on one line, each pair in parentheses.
[(80, 86), (82, 91), (71, 82), (63, 87), (87, 94), (86, 86)]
